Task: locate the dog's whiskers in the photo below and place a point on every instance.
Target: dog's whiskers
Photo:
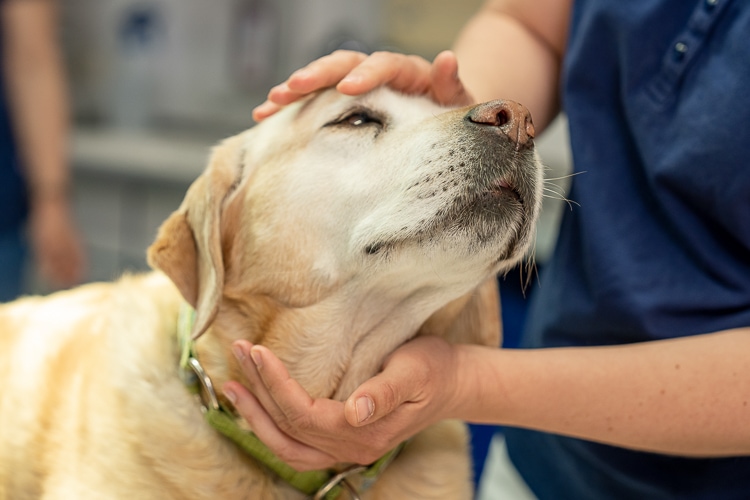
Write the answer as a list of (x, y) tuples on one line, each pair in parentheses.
[(562, 177), (555, 195), (531, 268), (554, 191)]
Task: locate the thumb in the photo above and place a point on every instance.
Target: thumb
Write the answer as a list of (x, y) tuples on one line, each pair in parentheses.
[(380, 395), (447, 88)]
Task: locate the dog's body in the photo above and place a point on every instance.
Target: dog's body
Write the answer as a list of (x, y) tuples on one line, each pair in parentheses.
[(331, 233)]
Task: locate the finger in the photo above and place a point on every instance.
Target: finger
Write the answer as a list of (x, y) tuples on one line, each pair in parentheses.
[(352, 73), (277, 383), (285, 400), (383, 394), (321, 73), (318, 423), (409, 74), (242, 350), (446, 86), (267, 419), (303, 414), (264, 110), (282, 95), (325, 72), (298, 455)]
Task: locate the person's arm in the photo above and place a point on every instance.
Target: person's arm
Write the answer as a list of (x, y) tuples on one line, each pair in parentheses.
[(688, 396), (509, 50), (37, 95), (513, 50)]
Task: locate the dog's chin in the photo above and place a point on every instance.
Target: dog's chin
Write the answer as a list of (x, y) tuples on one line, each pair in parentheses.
[(491, 221)]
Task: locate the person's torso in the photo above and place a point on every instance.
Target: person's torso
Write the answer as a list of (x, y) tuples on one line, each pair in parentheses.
[(656, 96)]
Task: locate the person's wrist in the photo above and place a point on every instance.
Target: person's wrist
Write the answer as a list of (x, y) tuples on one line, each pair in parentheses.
[(464, 381), (478, 397), (44, 198), (49, 192)]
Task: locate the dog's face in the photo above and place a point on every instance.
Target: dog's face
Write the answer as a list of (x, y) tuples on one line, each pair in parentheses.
[(378, 195), (378, 185)]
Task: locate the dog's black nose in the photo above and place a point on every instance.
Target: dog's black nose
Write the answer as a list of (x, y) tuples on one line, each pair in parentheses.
[(507, 117)]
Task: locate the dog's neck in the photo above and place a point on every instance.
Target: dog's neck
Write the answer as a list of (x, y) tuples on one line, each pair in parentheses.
[(330, 347)]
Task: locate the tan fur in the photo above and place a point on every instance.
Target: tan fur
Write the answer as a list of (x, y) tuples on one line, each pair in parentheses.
[(271, 244)]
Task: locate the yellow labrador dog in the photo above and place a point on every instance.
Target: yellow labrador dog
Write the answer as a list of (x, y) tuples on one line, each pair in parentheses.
[(332, 233)]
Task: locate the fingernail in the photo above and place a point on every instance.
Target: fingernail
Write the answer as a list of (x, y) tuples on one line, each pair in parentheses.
[(365, 408), (239, 353), (257, 359), (231, 396)]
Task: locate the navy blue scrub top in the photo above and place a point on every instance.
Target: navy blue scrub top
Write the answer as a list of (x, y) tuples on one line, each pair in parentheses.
[(657, 93)]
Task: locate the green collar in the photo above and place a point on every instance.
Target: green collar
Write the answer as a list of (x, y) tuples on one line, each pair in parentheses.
[(321, 484)]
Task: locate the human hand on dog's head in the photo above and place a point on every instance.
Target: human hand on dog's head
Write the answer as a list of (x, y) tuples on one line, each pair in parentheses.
[(355, 73), (417, 387)]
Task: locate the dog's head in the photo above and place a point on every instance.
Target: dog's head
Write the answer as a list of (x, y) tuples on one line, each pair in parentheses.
[(377, 197)]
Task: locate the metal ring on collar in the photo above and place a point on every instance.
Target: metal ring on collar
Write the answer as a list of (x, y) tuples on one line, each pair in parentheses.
[(340, 478), (205, 381)]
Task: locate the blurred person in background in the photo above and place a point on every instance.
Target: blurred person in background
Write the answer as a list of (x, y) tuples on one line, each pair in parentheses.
[(634, 379), (35, 211)]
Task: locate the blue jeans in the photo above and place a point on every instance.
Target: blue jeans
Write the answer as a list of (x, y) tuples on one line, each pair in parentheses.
[(13, 252)]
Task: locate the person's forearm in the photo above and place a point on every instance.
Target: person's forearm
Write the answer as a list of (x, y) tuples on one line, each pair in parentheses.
[(513, 50), (687, 396), (37, 94)]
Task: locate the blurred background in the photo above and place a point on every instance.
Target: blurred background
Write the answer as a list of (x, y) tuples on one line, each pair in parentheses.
[(155, 83)]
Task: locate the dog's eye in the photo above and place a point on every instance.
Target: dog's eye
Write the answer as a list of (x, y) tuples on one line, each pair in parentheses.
[(358, 118)]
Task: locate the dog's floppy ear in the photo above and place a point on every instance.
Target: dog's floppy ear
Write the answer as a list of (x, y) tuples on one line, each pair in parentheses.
[(471, 319), (188, 245)]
